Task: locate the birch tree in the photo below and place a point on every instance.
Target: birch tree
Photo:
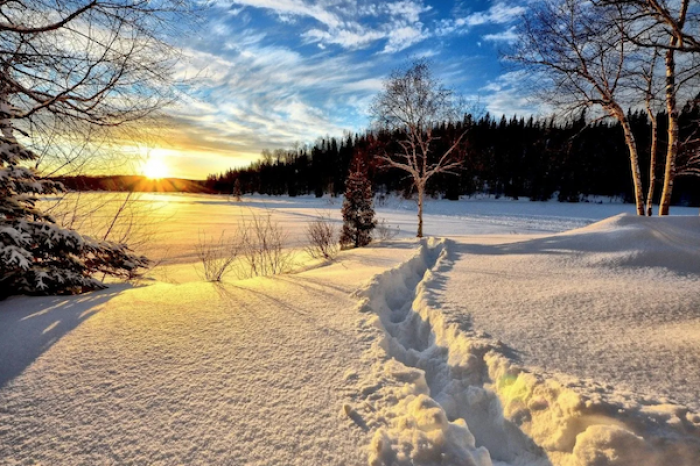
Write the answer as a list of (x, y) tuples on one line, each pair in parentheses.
[(411, 106), (651, 93), (669, 26), (582, 51)]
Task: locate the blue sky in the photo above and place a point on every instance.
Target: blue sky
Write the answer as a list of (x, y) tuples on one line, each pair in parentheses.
[(274, 72)]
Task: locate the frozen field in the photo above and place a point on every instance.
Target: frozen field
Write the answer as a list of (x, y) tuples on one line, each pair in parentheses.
[(530, 334)]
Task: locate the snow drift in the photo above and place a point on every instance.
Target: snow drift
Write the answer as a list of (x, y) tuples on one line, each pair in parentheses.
[(627, 240)]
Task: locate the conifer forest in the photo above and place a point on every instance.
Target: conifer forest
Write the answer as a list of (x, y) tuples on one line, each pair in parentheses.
[(542, 159)]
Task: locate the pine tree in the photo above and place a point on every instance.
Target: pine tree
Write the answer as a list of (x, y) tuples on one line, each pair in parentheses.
[(36, 255), (358, 213), (237, 190)]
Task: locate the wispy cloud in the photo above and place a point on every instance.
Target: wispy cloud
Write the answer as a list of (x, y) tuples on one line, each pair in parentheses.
[(509, 36), (341, 22), (254, 95), (509, 94), (498, 14)]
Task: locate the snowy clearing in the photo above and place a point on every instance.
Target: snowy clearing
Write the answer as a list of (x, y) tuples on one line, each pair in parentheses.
[(528, 336)]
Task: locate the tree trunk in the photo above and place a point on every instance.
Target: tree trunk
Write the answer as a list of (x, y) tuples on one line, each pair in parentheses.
[(421, 190), (673, 142), (634, 162), (5, 115), (652, 163)]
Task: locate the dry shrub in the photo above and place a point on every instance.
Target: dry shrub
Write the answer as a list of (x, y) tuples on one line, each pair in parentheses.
[(322, 238), (385, 232), (258, 248), (264, 249), (218, 255)]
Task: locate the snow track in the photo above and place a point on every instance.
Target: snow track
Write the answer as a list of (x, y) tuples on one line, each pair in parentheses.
[(441, 393)]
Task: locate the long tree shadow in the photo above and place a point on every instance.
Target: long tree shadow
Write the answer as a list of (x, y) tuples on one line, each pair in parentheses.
[(31, 325), (225, 290), (632, 244)]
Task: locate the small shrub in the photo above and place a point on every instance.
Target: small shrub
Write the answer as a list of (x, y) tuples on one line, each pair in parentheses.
[(218, 255), (322, 238), (264, 249), (384, 232)]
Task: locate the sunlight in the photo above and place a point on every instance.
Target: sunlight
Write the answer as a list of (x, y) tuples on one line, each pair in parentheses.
[(155, 168)]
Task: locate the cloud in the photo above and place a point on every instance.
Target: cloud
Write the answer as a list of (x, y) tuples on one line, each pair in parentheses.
[(404, 37), (274, 72), (510, 94), (317, 11), (508, 36), (342, 23), (409, 10), (254, 94), (499, 13)]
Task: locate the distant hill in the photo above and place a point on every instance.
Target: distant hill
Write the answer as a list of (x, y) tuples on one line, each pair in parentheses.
[(132, 183)]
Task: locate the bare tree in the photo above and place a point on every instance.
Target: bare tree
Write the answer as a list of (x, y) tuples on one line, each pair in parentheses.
[(650, 99), (77, 73), (581, 49), (665, 25), (411, 105), (70, 69)]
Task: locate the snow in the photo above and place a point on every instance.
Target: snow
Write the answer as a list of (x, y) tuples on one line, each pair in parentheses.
[(615, 302), (249, 372), (528, 335), (520, 414)]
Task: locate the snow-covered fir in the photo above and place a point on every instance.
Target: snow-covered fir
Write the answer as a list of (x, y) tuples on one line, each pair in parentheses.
[(36, 255)]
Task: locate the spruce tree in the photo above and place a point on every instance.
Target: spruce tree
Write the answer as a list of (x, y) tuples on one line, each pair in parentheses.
[(358, 213), (237, 190), (37, 256)]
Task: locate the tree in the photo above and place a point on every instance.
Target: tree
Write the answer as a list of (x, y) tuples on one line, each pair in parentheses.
[(237, 190), (69, 68), (358, 213), (650, 98), (78, 72), (662, 25), (583, 51), (411, 106), (37, 256)]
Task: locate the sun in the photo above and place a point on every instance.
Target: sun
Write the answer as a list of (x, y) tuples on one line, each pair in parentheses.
[(155, 169)]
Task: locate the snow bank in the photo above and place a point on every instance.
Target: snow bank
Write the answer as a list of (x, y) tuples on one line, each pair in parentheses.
[(441, 393), (628, 240)]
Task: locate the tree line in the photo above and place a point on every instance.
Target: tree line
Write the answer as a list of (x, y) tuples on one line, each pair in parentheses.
[(515, 157)]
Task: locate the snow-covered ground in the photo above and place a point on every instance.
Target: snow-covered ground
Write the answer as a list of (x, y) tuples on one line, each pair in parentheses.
[(248, 373), (529, 335)]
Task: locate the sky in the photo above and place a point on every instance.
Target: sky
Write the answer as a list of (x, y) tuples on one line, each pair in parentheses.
[(270, 74)]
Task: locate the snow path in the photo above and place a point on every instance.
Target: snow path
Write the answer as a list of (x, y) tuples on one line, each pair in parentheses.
[(411, 396), (433, 372), (244, 373)]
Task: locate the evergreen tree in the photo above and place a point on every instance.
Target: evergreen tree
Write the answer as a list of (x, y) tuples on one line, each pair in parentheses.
[(36, 255), (237, 190), (358, 213)]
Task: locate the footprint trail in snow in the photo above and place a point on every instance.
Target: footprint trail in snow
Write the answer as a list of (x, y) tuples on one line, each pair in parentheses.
[(442, 394)]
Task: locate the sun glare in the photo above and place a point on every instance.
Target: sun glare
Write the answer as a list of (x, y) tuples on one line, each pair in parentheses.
[(155, 169)]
